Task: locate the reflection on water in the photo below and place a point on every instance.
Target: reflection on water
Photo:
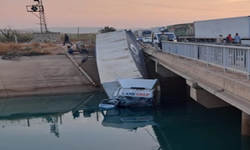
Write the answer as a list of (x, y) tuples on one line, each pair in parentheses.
[(74, 122), (126, 118)]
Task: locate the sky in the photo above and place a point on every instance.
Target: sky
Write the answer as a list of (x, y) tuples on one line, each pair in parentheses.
[(122, 14)]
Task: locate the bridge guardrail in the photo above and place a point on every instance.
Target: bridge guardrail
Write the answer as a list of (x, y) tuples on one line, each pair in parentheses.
[(234, 58)]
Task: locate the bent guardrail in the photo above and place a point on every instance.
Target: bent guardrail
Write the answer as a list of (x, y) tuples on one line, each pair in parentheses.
[(234, 58)]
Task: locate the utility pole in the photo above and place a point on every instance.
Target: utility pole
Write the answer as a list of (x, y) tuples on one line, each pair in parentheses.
[(38, 8), (77, 33)]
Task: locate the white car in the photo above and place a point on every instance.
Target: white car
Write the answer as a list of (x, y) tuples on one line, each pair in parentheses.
[(170, 35), (146, 39)]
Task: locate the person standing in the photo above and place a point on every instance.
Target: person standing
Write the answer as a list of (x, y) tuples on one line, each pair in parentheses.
[(163, 37), (219, 39), (236, 39), (66, 40), (229, 39)]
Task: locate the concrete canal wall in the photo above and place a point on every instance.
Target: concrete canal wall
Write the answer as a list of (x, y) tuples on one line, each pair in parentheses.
[(44, 75)]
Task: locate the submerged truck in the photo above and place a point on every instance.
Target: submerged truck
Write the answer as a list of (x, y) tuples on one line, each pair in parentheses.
[(209, 30), (134, 93), (125, 80)]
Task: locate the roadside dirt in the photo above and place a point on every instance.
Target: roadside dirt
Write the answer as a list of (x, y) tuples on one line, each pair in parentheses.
[(60, 49), (35, 49)]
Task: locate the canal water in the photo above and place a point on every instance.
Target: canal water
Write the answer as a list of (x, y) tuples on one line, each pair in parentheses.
[(74, 122)]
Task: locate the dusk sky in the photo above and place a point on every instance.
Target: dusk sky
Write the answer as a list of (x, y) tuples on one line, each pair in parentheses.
[(119, 13)]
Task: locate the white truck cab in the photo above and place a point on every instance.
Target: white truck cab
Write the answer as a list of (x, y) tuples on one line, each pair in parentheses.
[(156, 37), (134, 93)]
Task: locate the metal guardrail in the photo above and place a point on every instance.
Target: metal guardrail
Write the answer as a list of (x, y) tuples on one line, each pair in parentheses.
[(234, 58)]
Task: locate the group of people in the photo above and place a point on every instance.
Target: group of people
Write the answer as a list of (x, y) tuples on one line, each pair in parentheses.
[(235, 40)]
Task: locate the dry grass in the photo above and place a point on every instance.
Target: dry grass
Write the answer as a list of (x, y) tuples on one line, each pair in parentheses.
[(47, 48), (88, 38), (30, 49)]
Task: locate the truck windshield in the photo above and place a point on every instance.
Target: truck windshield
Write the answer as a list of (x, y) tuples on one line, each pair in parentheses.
[(146, 32), (170, 35), (125, 101), (127, 98)]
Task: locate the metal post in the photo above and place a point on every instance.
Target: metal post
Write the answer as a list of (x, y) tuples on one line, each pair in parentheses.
[(42, 17), (90, 41), (77, 33), (176, 47), (224, 59), (207, 56), (50, 38), (248, 63), (195, 53), (185, 52), (15, 38), (39, 8)]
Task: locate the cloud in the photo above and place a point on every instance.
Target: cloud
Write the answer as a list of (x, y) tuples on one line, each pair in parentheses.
[(237, 0), (232, 1)]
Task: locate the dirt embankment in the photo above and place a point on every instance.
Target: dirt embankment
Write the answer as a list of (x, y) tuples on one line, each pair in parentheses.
[(35, 48), (49, 73)]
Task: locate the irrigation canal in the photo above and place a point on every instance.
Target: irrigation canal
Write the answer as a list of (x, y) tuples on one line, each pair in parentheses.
[(75, 122)]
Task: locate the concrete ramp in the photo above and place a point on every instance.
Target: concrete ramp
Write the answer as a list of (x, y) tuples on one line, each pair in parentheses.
[(40, 75)]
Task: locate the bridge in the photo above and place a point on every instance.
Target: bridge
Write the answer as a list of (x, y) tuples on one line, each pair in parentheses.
[(218, 75)]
